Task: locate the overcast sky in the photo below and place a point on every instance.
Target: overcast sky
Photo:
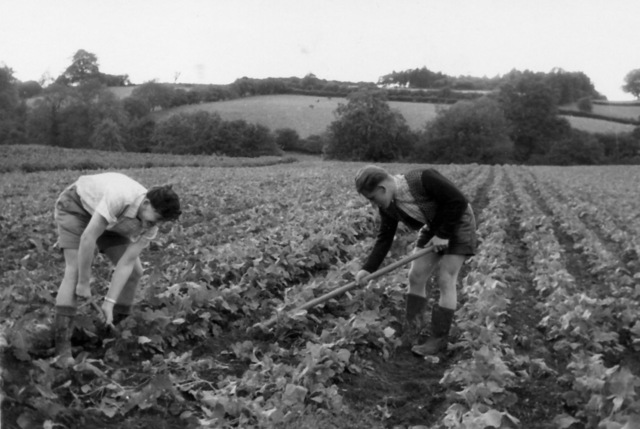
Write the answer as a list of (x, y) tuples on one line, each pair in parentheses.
[(217, 41)]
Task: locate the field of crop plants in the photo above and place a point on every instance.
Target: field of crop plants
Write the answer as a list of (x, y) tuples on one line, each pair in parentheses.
[(547, 332)]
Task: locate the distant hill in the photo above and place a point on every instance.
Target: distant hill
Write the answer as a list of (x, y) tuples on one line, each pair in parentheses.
[(311, 115), (628, 110), (306, 114)]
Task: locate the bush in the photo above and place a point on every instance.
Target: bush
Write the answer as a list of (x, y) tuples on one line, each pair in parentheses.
[(579, 148), (287, 139), (469, 131), (314, 144), (366, 129), (620, 148), (205, 133)]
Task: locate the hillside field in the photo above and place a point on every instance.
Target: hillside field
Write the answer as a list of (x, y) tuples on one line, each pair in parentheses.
[(546, 335), (311, 115), (306, 114), (593, 125), (629, 110)]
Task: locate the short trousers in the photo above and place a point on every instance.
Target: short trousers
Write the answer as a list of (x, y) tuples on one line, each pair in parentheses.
[(462, 242), (72, 219)]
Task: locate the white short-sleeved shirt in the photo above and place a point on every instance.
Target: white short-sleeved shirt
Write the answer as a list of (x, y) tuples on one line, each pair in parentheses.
[(117, 198)]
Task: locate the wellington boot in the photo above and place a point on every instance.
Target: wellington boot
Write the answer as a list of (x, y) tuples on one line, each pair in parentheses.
[(120, 312), (414, 318), (432, 346), (63, 329), (441, 319)]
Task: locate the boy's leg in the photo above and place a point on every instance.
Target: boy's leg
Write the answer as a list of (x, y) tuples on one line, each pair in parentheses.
[(63, 329), (448, 278), (66, 309), (416, 298), (124, 302), (442, 314), (67, 292)]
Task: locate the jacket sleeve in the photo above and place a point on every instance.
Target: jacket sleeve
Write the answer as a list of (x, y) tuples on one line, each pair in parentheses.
[(450, 200), (384, 240)]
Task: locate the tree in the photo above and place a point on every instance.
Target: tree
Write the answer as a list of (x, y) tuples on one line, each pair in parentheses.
[(174, 135), (12, 109), (367, 129), (632, 83), (569, 87), (29, 89), (68, 115), (468, 131), (84, 67), (287, 139), (154, 95), (135, 107), (107, 135), (578, 148), (44, 121), (140, 134), (530, 107)]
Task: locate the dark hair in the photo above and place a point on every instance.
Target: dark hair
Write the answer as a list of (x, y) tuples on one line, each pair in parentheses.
[(369, 177), (165, 201)]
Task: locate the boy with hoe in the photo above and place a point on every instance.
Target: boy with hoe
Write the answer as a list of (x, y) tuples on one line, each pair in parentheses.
[(116, 215), (426, 201)]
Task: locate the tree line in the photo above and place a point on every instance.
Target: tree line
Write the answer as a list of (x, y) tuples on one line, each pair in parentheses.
[(516, 122)]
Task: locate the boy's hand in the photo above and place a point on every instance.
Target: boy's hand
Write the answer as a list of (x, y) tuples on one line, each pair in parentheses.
[(107, 312), (439, 244), (83, 290), (360, 276)]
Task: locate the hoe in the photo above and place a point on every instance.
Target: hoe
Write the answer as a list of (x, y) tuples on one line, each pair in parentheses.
[(263, 326)]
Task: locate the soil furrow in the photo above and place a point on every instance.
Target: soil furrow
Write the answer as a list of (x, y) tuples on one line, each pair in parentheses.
[(539, 398)]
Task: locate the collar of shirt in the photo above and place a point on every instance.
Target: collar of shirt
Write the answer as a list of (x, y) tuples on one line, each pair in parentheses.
[(404, 200)]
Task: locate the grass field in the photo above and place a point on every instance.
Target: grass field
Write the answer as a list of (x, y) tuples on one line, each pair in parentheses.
[(547, 332), (592, 125), (621, 110), (307, 115), (30, 158), (311, 115)]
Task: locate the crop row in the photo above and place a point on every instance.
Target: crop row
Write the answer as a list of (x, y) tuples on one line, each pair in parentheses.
[(580, 324)]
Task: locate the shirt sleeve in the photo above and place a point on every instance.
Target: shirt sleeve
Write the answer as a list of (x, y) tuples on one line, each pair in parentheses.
[(384, 240), (451, 202)]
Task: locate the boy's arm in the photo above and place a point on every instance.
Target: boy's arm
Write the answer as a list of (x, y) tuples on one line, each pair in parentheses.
[(384, 240), (121, 274), (451, 202), (86, 251)]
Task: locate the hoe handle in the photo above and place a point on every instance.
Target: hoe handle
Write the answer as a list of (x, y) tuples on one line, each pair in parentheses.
[(347, 287)]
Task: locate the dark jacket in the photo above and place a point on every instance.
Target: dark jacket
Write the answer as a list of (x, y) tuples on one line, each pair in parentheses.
[(441, 203)]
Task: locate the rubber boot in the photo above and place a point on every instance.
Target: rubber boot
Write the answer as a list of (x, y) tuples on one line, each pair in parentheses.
[(120, 312), (414, 317), (63, 329), (441, 319)]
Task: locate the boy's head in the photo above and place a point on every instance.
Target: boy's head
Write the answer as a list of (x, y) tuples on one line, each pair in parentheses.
[(376, 185), (165, 202), (369, 177)]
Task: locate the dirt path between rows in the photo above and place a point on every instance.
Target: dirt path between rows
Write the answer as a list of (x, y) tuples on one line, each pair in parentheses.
[(539, 398)]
